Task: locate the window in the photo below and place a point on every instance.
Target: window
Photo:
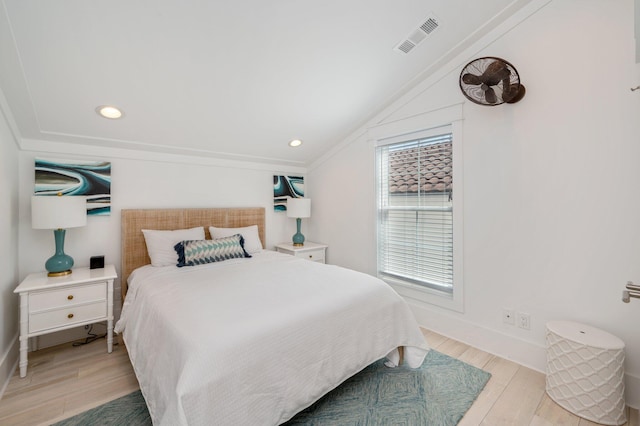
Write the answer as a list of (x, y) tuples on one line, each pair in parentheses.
[(415, 212), (419, 206)]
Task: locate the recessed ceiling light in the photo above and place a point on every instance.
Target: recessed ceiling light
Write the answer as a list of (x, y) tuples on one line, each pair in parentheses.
[(295, 142), (108, 111)]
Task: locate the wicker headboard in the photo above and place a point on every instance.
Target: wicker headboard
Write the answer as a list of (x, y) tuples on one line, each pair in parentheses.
[(134, 249)]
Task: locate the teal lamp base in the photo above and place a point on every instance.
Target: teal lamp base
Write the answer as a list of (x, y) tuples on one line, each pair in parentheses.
[(298, 238), (59, 264)]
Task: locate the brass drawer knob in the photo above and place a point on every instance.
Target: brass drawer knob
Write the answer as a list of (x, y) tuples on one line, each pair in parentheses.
[(70, 316), (70, 297)]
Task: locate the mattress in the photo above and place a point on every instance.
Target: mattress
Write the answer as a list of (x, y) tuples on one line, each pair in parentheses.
[(254, 341)]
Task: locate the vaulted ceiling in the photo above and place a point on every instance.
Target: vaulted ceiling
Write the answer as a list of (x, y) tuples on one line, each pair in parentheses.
[(235, 79)]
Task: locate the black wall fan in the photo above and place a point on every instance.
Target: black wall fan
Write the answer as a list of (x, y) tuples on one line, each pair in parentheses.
[(491, 81)]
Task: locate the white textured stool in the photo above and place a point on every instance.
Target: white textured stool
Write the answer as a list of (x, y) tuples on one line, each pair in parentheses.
[(585, 372)]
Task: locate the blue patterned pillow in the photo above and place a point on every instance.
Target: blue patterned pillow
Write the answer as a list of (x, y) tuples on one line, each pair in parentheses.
[(199, 252)]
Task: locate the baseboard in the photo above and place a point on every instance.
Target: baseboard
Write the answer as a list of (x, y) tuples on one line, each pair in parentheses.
[(9, 363), (632, 391), (522, 352)]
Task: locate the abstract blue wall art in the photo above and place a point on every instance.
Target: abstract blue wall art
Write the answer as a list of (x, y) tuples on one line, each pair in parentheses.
[(76, 177), (285, 187)]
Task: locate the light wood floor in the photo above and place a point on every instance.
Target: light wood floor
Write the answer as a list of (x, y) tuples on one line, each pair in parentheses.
[(66, 380)]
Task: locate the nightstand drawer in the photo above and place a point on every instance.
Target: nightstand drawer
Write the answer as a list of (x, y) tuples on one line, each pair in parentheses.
[(314, 255), (314, 252), (60, 298), (66, 316)]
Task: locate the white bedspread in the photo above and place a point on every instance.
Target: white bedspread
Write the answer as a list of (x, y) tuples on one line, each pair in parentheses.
[(254, 341)]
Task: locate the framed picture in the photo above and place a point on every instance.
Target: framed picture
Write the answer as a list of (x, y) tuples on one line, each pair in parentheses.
[(285, 187), (76, 177)]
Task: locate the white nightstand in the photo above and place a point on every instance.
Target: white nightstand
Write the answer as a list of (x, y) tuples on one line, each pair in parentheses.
[(310, 251), (49, 304)]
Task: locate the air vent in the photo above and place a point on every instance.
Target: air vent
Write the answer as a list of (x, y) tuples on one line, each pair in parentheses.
[(406, 46), (429, 25), (417, 36)]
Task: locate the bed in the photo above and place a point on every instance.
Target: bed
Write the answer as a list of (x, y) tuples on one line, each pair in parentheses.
[(249, 341)]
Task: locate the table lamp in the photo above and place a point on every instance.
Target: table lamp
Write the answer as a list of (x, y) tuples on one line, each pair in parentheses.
[(58, 213), (298, 208)]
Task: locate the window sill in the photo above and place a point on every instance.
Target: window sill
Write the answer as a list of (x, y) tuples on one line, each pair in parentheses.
[(427, 295)]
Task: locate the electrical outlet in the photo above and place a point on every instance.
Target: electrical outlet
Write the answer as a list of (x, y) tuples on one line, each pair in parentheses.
[(523, 320), (508, 316)]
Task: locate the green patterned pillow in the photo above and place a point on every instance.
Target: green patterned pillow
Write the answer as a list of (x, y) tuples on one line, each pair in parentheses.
[(199, 252)]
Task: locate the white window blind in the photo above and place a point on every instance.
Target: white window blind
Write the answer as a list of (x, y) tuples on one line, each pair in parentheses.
[(415, 212)]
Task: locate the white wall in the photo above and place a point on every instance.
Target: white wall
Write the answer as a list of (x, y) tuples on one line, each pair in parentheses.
[(142, 180), (551, 184), (8, 249)]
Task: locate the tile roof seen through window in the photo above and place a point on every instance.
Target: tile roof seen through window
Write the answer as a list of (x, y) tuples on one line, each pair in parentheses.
[(431, 164)]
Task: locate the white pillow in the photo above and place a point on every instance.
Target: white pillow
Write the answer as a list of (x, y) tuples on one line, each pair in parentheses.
[(252, 242), (160, 243)]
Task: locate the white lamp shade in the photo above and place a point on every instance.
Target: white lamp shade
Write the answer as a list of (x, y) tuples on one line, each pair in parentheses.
[(299, 207), (58, 212)]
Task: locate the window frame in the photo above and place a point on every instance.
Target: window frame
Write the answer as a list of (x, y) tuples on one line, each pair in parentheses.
[(448, 119)]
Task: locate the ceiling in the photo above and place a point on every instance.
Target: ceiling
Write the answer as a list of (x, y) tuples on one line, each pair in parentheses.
[(231, 79)]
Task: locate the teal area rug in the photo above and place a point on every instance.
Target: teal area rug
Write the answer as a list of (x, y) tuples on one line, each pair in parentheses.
[(437, 393), (130, 410)]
